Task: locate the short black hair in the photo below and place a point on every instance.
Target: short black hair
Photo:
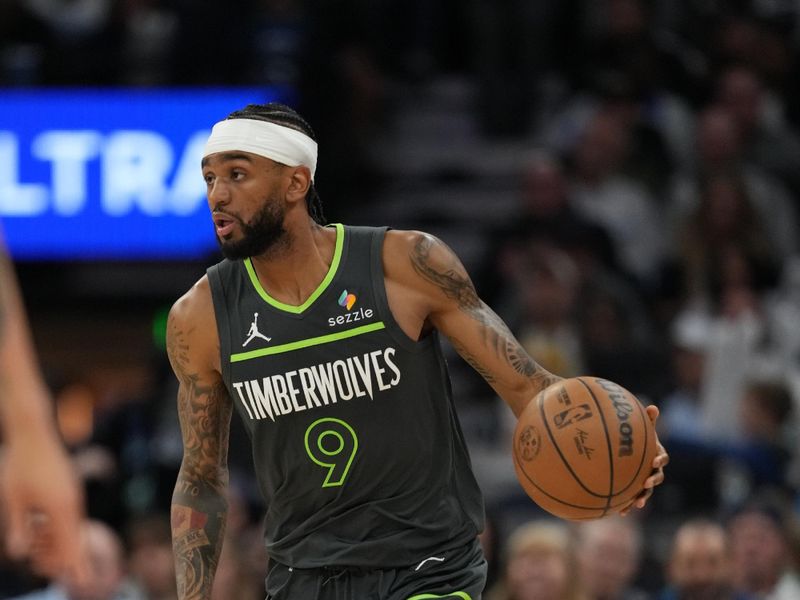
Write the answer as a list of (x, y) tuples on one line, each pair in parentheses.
[(281, 114)]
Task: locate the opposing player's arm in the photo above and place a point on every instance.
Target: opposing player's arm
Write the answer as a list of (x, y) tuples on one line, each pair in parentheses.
[(199, 505), (431, 272), (36, 479)]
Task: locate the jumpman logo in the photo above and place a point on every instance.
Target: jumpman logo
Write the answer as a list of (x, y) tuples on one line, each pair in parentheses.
[(254, 332)]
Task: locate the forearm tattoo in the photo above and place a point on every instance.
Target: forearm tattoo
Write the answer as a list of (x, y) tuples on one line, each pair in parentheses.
[(454, 282), (199, 505), (472, 361)]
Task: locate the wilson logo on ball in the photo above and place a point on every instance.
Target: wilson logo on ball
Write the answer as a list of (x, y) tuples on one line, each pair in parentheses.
[(623, 410)]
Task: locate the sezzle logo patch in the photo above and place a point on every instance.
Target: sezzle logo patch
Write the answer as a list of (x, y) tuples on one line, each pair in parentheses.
[(347, 301)]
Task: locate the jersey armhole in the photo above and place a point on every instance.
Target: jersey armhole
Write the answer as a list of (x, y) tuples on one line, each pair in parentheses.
[(382, 301), (222, 324)]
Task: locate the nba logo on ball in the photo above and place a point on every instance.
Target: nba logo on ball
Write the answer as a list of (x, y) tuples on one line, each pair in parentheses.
[(594, 447)]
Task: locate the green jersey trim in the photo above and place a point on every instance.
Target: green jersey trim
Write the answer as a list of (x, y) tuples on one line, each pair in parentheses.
[(315, 341), (337, 255)]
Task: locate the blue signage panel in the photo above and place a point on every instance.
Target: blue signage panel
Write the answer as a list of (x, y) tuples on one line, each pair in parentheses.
[(109, 174)]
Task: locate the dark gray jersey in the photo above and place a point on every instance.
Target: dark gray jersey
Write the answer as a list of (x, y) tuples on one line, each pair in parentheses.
[(356, 444)]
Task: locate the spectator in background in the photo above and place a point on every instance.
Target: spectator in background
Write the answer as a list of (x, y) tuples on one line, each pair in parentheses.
[(693, 486), (150, 561), (545, 217), (81, 40), (540, 564), (719, 150), (623, 37), (699, 565), (782, 308), (649, 161), (602, 194), (343, 90), (681, 417), (549, 286), (236, 579), (614, 71), (729, 263), (22, 47), (106, 580), (279, 43), (723, 229), (205, 46), (760, 548), (77, 414), (617, 338), (769, 141), (243, 562), (149, 28), (761, 451), (609, 551)]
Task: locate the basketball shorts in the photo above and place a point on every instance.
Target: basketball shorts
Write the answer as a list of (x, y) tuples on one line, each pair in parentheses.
[(458, 574)]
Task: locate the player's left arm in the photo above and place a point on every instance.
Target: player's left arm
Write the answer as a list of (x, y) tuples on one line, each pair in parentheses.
[(451, 305), (431, 273)]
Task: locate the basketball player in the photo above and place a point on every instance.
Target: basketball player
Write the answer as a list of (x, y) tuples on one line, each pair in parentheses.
[(39, 493), (357, 448)]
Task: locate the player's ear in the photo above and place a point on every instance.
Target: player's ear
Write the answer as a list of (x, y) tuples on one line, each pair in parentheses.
[(299, 183)]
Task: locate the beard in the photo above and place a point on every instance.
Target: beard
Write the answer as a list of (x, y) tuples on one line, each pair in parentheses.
[(263, 234)]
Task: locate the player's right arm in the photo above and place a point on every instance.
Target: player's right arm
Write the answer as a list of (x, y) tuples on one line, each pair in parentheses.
[(199, 505)]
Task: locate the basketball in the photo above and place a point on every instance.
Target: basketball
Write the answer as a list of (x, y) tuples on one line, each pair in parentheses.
[(583, 448)]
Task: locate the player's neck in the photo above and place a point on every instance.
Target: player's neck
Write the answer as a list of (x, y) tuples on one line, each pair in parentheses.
[(291, 276)]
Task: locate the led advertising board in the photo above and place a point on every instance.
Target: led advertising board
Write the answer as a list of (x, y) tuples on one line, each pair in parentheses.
[(111, 174)]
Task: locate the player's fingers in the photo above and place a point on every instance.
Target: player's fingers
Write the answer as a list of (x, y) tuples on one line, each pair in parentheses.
[(627, 508), (78, 567), (67, 547), (652, 413), (643, 498), (18, 536), (662, 458), (637, 502), (656, 478)]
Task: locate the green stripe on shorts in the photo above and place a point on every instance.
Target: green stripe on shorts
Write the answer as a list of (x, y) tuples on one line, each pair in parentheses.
[(461, 595)]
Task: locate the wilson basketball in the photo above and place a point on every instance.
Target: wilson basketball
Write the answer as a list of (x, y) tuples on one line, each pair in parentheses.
[(583, 448)]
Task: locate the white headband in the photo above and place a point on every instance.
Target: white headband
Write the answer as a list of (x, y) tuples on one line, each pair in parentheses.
[(281, 144)]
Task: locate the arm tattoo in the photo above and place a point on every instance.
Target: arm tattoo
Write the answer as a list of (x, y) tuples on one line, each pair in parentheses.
[(519, 359), (454, 282), (199, 506), (472, 361)]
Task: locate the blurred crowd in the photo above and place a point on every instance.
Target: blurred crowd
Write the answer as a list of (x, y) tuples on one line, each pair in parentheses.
[(655, 243)]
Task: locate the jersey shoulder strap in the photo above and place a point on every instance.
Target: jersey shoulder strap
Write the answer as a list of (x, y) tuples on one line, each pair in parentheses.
[(222, 279)]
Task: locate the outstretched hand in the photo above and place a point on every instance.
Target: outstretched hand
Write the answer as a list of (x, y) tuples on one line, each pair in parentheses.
[(43, 506), (660, 461)]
